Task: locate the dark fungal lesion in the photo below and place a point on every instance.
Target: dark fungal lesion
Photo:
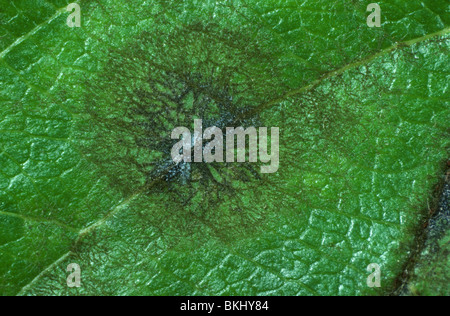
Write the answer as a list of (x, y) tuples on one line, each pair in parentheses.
[(163, 81), (184, 100)]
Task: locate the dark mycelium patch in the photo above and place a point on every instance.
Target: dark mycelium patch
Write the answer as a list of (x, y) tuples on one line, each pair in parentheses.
[(165, 80)]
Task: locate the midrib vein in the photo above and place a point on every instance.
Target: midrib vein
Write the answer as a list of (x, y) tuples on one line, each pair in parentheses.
[(31, 33), (50, 267), (343, 69)]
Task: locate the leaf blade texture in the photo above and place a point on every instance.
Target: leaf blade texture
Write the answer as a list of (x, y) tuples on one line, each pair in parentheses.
[(87, 113)]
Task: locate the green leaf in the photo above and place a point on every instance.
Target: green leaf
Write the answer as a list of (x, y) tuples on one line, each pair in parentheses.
[(85, 123)]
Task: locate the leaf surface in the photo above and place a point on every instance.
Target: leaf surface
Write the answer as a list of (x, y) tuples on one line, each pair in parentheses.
[(85, 123)]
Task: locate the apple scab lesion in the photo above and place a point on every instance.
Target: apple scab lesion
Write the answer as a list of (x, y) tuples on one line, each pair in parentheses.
[(143, 92)]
